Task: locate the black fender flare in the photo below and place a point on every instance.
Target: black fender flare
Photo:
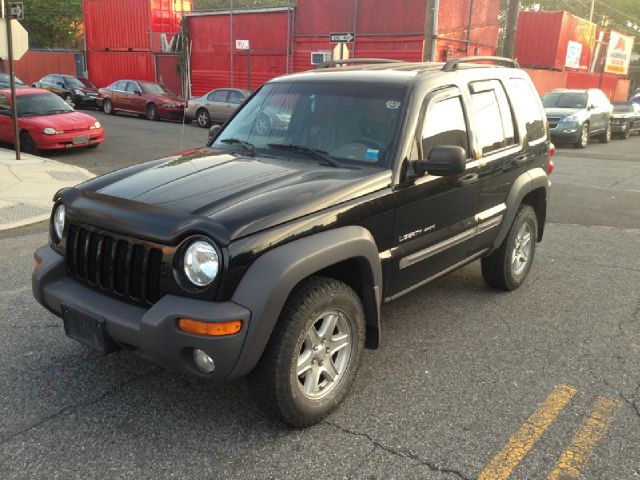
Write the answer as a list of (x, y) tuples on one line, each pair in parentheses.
[(527, 182), (266, 285)]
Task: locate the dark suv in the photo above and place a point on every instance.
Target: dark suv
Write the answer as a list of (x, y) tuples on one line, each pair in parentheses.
[(269, 252)]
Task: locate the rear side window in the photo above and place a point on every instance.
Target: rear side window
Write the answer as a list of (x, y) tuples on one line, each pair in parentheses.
[(528, 107), (235, 97), (218, 96), (444, 125), (493, 115)]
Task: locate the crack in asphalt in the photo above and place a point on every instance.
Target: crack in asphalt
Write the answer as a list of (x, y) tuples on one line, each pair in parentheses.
[(70, 409), (399, 453)]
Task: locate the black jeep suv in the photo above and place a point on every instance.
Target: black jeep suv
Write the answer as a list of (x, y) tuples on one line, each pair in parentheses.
[(270, 251)]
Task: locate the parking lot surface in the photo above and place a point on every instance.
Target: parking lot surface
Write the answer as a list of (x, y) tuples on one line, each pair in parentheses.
[(542, 382)]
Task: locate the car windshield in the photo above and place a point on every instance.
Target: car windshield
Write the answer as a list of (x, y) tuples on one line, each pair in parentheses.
[(350, 124), (623, 107), (154, 88), (565, 100), (73, 82), (41, 104), (4, 78)]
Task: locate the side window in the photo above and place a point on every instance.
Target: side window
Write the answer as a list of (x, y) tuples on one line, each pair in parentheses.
[(444, 124), (56, 80), (5, 108), (46, 80), (219, 96), (235, 97), (528, 107), (493, 114), (121, 85), (132, 87)]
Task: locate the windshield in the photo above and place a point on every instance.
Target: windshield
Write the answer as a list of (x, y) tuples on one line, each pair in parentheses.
[(73, 82), (354, 124), (622, 107), (154, 88), (41, 104), (565, 100), (4, 78)]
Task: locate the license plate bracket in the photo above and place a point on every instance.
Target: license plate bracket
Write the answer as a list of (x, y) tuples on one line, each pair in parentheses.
[(87, 329), (81, 139)]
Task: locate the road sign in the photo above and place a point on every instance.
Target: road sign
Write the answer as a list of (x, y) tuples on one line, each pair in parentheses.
[(242, 44), (20, 40), (341, 37), (16, 10)]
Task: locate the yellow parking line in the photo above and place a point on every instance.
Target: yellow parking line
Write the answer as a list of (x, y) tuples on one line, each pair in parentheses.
[(519, 444), (592, 430)]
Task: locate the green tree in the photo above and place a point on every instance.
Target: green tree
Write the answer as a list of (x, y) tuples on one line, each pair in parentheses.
[(52, 23)]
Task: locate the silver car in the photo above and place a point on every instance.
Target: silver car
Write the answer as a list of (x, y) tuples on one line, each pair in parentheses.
[(217, 106)]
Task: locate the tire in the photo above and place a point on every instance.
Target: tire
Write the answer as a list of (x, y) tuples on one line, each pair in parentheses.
[(69, 100), (107, 107), (501, 269), (606, 136), (627, 132), (203, 118), (152, 112), (305, 399), (27, 144), (583, 140)]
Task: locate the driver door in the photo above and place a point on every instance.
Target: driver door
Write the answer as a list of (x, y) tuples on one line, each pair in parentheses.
[(435, 216)]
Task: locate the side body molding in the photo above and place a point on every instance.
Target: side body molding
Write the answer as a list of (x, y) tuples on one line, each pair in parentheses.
[(266, 285), (527, 182)]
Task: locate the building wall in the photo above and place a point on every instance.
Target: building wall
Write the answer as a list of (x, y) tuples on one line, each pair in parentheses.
[(35, 64)]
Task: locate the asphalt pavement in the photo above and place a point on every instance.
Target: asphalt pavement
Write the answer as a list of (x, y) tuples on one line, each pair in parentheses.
[(469, 383)]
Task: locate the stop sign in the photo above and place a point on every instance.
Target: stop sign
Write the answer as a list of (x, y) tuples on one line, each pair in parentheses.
[(20, 40)]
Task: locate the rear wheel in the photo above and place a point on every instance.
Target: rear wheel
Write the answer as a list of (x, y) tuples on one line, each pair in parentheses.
[(313, 354), (152, 112), (605, 137), (203, 118), (27, 144), (626, 133), (107, 107), (583, 140), (509, 265)]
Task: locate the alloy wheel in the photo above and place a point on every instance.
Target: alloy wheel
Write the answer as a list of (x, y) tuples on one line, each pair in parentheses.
[(584, 136), (203, 119), (522, 249)]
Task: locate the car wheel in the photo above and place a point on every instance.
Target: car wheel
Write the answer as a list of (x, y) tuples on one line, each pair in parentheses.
[(203, 118), (27, 144), (313, 354), (626, 132), (583, 140), (263, 124), (107, 107), (69, 99), (606, 136), (152, 112), (507, 267)]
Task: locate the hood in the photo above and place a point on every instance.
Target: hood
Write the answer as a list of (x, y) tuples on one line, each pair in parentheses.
[(561, 112), (61, 121), (88, 90), (243, 194)]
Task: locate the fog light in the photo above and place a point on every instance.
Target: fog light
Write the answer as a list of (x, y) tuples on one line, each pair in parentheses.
[(203, 361)]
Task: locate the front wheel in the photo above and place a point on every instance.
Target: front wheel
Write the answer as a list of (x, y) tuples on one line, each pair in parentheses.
[(605, 137), (69, 100), (27, 144), (107, 107), (313, 354), (152, 112), (203, 118), (507, 267), (583, 140), (626, 133)]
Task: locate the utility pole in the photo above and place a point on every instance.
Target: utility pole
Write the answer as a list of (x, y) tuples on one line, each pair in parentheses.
[(509, 43), (430, 31), (593, 2), (8, 15)]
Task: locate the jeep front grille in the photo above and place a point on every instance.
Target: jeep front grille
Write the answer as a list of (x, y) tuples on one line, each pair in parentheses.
[(125, 267)]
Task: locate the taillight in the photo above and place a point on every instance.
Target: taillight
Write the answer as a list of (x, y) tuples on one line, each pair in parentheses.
[(550, 164)]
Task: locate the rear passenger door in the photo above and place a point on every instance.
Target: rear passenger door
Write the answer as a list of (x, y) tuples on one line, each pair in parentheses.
[(435, 216), (216, 102), (118, 99)]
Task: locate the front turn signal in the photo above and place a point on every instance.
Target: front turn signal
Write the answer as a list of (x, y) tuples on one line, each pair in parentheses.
[(211, 329)]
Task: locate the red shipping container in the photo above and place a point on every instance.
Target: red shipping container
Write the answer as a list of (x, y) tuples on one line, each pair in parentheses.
[(107, 67), (542, 39), (130, 25), (36, 64)]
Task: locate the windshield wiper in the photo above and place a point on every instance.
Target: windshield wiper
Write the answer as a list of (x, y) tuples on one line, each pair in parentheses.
[(58, 110), (236, 141), (317, 154)]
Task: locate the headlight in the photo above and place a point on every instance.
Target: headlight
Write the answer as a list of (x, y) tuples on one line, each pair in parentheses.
[(95, 125), (77, 91), (201, 263), (50, 131), (58, 222), (570, 118)]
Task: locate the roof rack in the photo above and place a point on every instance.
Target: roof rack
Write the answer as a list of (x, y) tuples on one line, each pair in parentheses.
[(346, 61), (452, 65)]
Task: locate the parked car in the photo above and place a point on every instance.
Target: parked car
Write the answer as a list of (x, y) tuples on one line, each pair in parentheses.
[(47, 122), (635, 98), (625, 118), (575, 116), (217, 106), (271, 253), (147, 99), (76, 91), (5, 81)]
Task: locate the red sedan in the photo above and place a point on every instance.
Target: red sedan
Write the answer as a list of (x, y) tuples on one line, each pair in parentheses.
[(46, 122), (146, 99)]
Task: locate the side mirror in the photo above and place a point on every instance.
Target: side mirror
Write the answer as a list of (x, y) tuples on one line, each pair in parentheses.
[(444, 160), (213, 131), (592, 107), (60, 84)]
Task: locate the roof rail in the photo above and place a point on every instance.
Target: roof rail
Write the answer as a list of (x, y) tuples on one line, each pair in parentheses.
[(452, 65), (346, 61)]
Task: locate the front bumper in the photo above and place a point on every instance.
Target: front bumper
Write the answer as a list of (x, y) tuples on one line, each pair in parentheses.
[(64, 141), (152, 332), (619, 126), (565, 134), (85, 101), (171, 113)]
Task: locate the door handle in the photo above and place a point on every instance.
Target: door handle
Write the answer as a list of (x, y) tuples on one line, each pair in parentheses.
[(468, 179)]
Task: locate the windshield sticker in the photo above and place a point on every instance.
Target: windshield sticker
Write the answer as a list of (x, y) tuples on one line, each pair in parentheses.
[(393, 104), (372, 155)]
